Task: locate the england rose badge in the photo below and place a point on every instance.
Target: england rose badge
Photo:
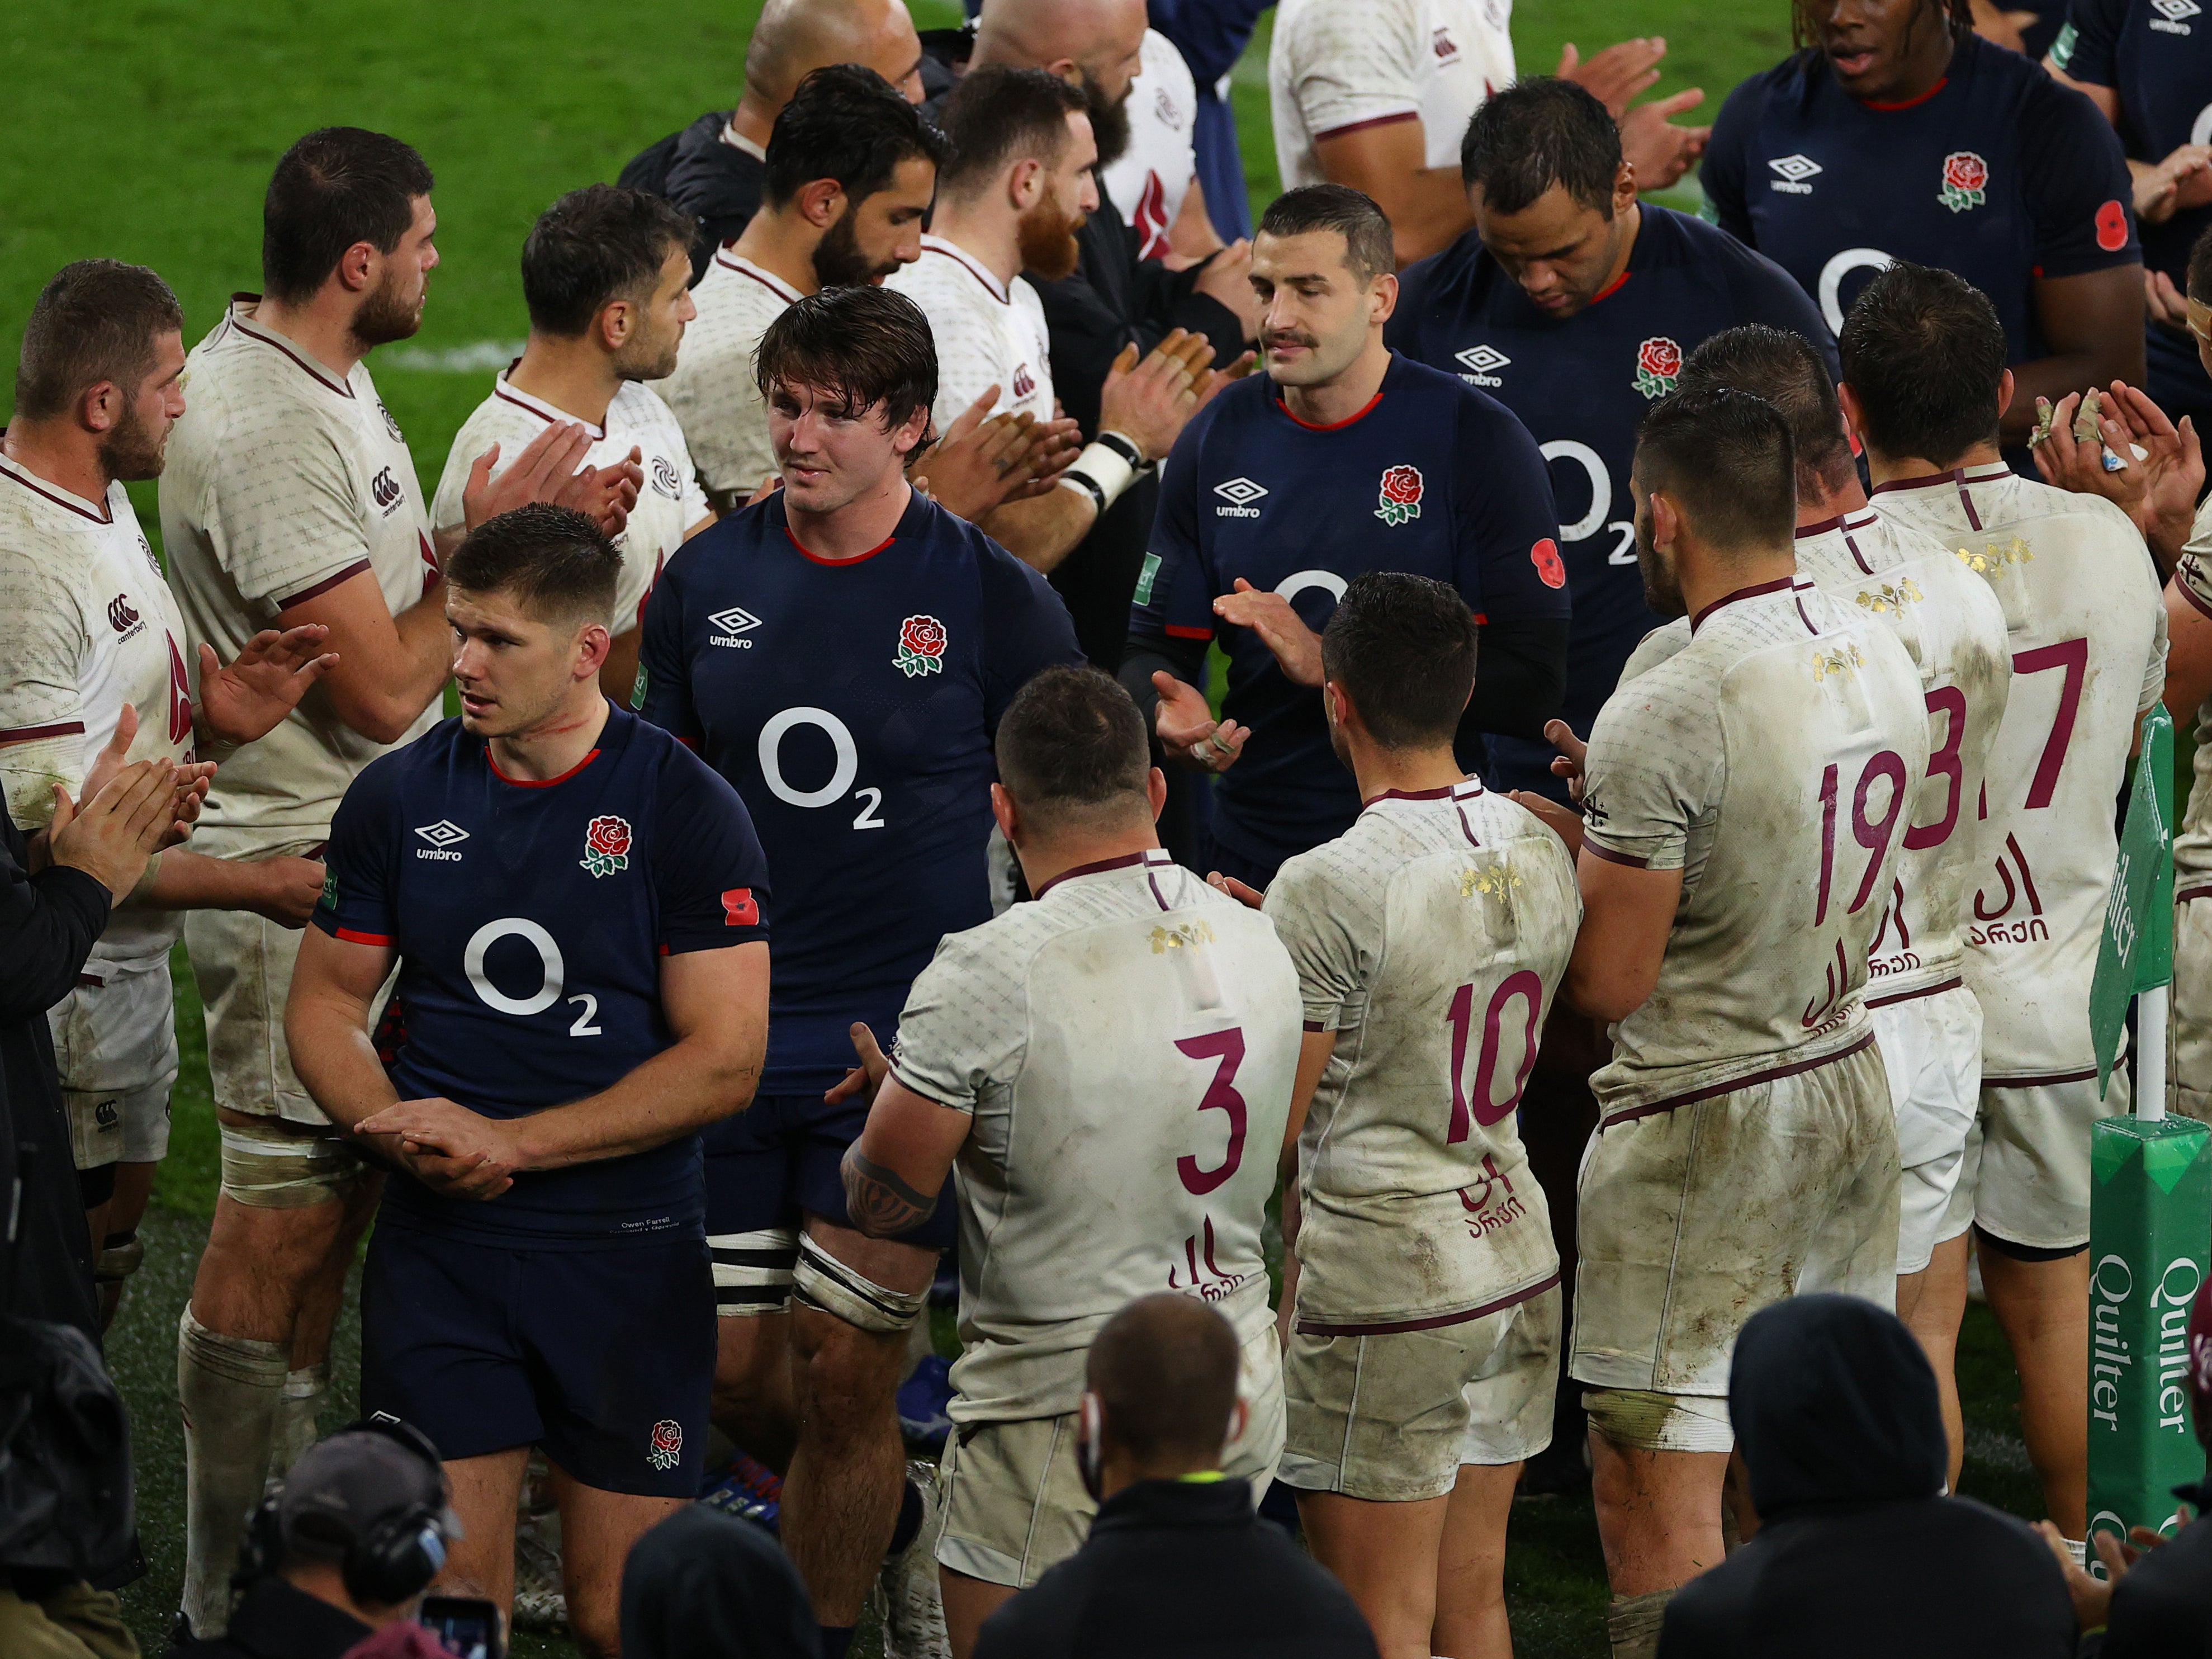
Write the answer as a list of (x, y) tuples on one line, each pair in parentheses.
[(606, 846), (922, 646), (1658, 364), (1400, 495)]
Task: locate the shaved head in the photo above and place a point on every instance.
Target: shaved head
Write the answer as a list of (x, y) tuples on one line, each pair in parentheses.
[(1164, 1371), (795, 38), (1096, 43)]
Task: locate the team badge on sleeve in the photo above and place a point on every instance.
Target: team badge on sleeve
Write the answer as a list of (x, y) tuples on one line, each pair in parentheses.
[(606, 846), (1965, 181), (922, 646), (741, 908), (1658, 362), (1400, 495), (667, 1438)]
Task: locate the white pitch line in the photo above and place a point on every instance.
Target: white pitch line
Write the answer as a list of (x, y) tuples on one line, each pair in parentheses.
[(453, 360)]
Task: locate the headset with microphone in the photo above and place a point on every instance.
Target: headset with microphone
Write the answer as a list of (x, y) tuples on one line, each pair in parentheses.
[(391, 1559)]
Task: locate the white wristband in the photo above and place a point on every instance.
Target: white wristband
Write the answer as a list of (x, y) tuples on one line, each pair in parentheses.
[(1105, 473)]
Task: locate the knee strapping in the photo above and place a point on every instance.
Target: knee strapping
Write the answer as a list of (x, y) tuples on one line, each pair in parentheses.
[(1651, 1421), (120, 1256), (824, 1283), (270, 1170), (1632, 1624), (753, 1272)]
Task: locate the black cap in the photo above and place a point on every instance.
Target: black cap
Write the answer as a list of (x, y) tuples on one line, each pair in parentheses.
[(345, 1486)]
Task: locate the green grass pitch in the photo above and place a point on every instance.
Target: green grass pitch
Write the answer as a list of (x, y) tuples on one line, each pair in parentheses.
[(145, 129)]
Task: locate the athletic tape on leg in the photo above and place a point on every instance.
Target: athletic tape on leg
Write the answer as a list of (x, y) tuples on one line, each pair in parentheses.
[(753, 1271), (822, 1282), (230, 1387), (117, 1261), (1632, 1624), (1651, 1421), (269, 1171)]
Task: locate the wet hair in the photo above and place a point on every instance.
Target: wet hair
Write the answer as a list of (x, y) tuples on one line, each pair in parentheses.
[(846, 122), (1350, 212), (869, 346), (997, 115), (95, 320), (1403, 647), (1164, 1371), (1726, 457), (1924, 353), (1073, 744), (594, 245), (555, 562), (334, 187), (1787, 371), (1537, 133)]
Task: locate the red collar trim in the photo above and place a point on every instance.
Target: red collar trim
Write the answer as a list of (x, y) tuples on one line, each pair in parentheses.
[(1465, 789), (22, 475), (1774, 586), (539, 783), (1153, 857), (1904, 103), (1612, 286), (857, 558), (1334, 426), (245, 325)]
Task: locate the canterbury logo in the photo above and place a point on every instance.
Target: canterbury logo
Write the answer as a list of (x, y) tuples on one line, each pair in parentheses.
[(120, 616), (384, 489)]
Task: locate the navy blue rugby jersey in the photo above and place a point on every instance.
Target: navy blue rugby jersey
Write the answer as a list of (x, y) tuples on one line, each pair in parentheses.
[(1581, 384), (1433, 478), (2157, 59), (852, 705), (1998, 173), (530, 918)]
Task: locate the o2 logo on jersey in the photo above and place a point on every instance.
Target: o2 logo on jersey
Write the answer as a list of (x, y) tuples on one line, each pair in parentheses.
[(1658, 365), (606, 846), (1400, 495), (383, 489), (922, 646), (667, 1443), (1965, 181), (664, 479)]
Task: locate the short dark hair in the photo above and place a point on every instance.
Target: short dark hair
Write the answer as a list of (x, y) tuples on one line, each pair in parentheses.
[(1726, 456), (1403, 647), (1924, 354), (1787, 371), (594, 245), (870, 346), (1164, 1371), (1071, 742), (334, 187), (2200, 266), (95, 320), (557, 562), (997, 115), (1352, 214), (846, 122), (1537, 133)]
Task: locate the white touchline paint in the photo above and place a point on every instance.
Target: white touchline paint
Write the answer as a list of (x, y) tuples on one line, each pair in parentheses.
[(453, 360)]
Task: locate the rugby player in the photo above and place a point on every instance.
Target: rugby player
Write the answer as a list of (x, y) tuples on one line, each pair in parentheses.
[(1927, 1023), (1429, 939), (1155, 184), (1566, 279), (1019, 186), (1744, 809), (290, 500), (841, 654), (1903, 135), (572, 904), (96, 677), (1924, 379), (1343, 457), (606, 275), (1127, 980)]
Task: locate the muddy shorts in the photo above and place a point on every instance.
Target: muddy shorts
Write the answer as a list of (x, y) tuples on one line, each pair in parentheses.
[(115, 1042), (1931, 1047)]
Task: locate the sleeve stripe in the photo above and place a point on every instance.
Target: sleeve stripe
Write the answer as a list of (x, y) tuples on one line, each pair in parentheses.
[(355, 936), (1371, 121), (325, 585), (1180, 633), (1611, 857), (2204, 607), (73, 728)]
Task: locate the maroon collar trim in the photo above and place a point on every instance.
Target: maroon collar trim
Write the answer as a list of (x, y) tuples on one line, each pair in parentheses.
[(246, 326), (1465, 789), (30, 481), (1774, 586), (1154, 857)]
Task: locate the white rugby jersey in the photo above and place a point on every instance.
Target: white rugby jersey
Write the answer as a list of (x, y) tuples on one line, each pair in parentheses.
[(2192, 842), (1773, 760), (724, 418), (1954, 629), (91, 626), (2087, 633), (283, 480), (1335, 66), (1430, 937), (1127, 1043), (669, 502), (987, 332), (1152, 177)]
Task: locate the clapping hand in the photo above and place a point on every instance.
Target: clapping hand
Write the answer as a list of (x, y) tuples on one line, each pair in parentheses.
[(265, 683), (1187, 730), (1280, 628)]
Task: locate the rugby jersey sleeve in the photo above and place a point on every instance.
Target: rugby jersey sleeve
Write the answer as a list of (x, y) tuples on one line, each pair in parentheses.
[(2154, 681), (709, 874), (662, 692), (359, 902), (287, 508), (965, 1026), (2088, 48), (42, 714), (2075, 181), (1720, 173), (1174, 597), (1357, 65), (1508, 562), (1317, 916), (1656, 759), (1026, 628)]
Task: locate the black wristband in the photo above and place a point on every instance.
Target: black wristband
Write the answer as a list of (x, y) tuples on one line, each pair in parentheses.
[(1126, 449), (1088, 484)]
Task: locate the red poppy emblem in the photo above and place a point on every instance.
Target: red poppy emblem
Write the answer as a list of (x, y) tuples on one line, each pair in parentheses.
[(1550, 569), (2111, 227), (741, 908)]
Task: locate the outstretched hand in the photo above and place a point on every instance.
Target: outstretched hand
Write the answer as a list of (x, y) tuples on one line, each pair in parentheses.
[(1244, 892), (1187, 730), (867, 1076), (248, 698)]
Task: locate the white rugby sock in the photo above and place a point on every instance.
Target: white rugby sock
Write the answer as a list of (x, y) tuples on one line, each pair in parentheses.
[(1632, 1624), (296, 1417), (231, 1388)]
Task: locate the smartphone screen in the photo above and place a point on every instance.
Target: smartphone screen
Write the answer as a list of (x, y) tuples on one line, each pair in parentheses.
[(465, 1626)]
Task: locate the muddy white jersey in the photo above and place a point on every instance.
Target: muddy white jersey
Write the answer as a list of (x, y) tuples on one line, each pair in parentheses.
[(987, 332), (669, 500), (283, 480), (1337, 65), (1772, 760), (2087, 633), (2192, 844), (724, 417), (1153, 175), (1955, 629), (91, 626), (1127, 1044), (1430, 937)]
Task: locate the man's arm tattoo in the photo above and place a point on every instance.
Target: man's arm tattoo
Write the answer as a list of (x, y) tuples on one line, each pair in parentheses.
[(880, 1203)]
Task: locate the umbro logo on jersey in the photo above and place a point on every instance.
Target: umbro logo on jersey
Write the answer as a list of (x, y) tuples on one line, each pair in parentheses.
[(1790, 172), (2173, 15), (728, 624), (1482, 363), (442, 836), (385, 489), (120, 616), (664, 479), (1240, 494)]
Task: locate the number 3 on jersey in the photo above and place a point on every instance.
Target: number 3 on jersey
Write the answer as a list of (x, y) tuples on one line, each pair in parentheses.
[(843, 773)]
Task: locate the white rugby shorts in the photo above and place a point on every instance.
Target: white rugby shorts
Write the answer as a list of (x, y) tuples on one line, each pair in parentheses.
[(115, 1043), (1931, 1048)]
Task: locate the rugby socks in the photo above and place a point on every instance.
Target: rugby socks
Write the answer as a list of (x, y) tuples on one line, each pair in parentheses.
[(296, 1417), (231, 1388), (908, 1524), (1632, 1624), (836, 1638)]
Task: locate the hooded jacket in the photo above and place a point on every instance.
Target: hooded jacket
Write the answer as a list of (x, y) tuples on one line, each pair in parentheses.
[(702, 1583), (718, 184), (1858, 1551)]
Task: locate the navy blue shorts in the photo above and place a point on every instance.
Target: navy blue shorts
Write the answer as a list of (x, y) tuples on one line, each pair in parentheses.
[(602, 1357), (778, 1160)]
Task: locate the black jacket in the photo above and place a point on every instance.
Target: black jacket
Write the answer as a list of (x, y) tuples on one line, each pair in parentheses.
[(1857, 1552), (717, 184), (702, 1583), (274, 1620), (1175, 1568), (2163, 1606)]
